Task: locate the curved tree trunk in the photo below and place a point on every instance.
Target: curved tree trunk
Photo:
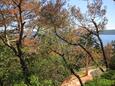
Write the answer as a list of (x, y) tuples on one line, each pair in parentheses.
[(68, 67), (103, 51), (72, 71), (78, 44), (101, 44)]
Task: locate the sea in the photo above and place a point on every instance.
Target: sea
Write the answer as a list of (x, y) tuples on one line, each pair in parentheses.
[(107, 38)]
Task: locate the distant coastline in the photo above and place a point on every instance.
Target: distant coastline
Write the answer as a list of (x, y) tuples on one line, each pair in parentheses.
[(108, 32)]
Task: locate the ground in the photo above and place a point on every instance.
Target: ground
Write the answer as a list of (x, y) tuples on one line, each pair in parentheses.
[(73, 81)]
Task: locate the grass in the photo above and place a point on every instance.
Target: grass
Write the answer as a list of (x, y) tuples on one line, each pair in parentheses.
[(106, 79), (100, 82)]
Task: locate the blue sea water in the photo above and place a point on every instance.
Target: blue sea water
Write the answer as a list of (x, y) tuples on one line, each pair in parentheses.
[(107, 38)]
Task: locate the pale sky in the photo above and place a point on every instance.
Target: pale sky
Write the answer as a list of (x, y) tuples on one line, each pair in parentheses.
[(110, 4)]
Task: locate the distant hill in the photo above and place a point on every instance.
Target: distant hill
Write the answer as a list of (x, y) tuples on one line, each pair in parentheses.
[(107, 32)]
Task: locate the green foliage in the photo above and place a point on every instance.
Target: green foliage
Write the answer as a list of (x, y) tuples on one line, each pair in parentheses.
[(35, 81), (109, 75), (10, 70), (20, 84), (107, 79), (112, 63), (49, 70), (46, 67), (100, 82)]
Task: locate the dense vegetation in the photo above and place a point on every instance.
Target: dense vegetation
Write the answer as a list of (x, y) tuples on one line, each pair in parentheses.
[(107, 79), (48, 41)]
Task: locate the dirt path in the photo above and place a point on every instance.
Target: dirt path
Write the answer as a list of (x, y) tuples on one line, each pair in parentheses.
[(73, 81)]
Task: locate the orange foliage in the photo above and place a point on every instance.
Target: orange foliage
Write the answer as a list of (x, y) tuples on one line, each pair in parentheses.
[(29, 42)]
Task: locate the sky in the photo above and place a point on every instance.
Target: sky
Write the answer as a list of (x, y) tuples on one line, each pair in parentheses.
[(110, 6)]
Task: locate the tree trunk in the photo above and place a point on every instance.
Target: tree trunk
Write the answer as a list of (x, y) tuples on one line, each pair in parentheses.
[(25, 70), (23, 64), (101, 44), (72, 71), (68, 67), (91, 57), (1, 82), (103, 51), (86, 65), (78, 44)]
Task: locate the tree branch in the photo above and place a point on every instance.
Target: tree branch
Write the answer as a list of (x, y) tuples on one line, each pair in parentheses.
[(78, 44)]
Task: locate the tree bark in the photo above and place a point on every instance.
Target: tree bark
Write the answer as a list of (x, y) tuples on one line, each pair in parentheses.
[(86, 66), (1, 82), (101, 43), (103, 51), (72, 71), (23, 64), (25, 70)]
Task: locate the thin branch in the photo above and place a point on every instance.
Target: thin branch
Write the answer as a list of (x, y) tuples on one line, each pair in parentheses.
[(10, 46), (78, 44)]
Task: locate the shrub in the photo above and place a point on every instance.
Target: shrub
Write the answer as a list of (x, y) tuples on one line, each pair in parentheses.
[(109, 75), (100, 82), (107, 79), (20, 84), (35, 81), (50, 69), (112, 63)]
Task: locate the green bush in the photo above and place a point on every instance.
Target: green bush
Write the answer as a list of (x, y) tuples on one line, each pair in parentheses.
[(109, 75), (50, 69), (10, 70), (107, 79), (20, 84), (100, 82), (112, 63), (35, 81)]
